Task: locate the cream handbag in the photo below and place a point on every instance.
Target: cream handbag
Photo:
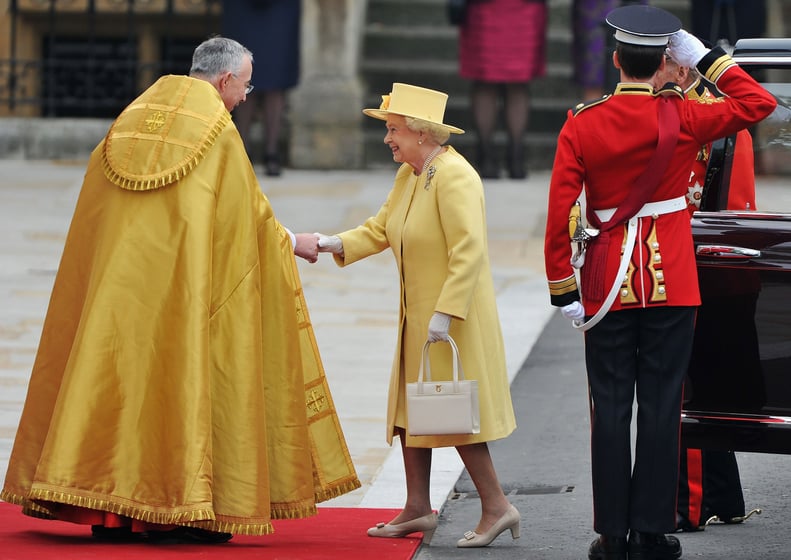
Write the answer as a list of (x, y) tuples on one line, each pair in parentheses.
[(442, 407)]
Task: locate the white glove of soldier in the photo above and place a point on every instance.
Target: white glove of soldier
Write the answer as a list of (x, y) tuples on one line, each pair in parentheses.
[(438, 327), (686, 49), (573, 311), (330, 244)]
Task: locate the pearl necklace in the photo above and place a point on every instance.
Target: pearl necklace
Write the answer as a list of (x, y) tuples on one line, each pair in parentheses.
[(431, 169), (431, 156)]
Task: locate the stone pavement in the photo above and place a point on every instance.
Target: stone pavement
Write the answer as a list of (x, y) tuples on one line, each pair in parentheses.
[(544, 466), (353, 310)]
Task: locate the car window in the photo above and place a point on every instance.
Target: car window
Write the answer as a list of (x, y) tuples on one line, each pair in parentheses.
[(772, 146)]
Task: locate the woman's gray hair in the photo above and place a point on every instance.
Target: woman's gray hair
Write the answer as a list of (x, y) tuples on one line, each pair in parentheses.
[(218, 55), (436, 132)]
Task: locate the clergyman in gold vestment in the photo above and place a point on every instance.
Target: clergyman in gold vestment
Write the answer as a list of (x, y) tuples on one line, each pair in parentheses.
[(178, 384)]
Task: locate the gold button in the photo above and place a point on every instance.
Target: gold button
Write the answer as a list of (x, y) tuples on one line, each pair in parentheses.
[(662, 290)]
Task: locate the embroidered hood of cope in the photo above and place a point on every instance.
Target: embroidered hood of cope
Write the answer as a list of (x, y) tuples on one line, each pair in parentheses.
[(151, 145)]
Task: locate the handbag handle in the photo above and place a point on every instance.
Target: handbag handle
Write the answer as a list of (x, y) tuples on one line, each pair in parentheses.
[(425, 363)]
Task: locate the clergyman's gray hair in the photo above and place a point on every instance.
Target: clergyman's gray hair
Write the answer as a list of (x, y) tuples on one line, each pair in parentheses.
[(216, 56)]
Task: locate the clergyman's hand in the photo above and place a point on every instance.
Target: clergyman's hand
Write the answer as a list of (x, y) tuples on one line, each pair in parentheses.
[(307, 246)]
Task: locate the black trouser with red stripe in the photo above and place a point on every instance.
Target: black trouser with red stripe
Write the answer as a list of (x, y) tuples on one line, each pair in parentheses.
[(642, 351), (708, 485)]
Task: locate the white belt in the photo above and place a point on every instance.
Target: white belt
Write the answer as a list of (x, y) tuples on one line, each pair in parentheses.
[(654, 209)]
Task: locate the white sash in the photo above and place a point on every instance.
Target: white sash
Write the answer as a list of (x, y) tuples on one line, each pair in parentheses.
[(654, 209)]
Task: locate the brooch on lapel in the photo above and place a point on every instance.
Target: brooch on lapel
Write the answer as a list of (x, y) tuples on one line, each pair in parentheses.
[(429, 176)]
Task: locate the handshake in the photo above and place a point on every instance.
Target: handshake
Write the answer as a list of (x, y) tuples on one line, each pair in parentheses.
[(309, 245)]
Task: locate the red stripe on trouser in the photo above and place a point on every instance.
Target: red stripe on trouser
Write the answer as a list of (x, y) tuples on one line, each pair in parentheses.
[(695, 485)]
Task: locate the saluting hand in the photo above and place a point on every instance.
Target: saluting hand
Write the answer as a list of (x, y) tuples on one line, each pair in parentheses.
[(686, 49)]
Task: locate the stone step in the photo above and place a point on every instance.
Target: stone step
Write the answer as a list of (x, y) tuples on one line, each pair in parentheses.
[(402, 40), (389, 13), (546, 115), (413, 42), (540, 148)]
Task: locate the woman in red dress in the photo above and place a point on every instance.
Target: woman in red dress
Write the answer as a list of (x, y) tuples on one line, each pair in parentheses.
[(502, 47)]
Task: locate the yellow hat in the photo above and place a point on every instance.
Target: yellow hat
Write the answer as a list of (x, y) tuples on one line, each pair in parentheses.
[(413, 101)]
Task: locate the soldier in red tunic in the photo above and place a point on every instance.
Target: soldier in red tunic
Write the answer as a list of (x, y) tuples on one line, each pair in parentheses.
[(632, 152)]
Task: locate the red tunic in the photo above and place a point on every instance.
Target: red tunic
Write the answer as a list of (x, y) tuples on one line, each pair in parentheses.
[(605, 146), (741, 194)]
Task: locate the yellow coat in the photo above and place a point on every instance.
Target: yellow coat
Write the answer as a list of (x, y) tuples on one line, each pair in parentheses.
[(437, 232), (177, 380)]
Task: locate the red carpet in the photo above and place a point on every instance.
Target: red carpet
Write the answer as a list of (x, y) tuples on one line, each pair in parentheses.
[(333, 533)]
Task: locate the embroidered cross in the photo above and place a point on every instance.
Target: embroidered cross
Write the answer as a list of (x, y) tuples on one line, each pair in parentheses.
[(155, 121), (315, 401)]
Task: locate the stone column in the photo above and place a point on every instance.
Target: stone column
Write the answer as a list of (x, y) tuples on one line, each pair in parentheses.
[(326, 107)]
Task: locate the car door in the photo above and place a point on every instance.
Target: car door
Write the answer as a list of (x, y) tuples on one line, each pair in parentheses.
[(738, 391)]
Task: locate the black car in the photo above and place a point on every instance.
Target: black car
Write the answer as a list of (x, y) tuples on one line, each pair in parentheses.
[(738, 392)]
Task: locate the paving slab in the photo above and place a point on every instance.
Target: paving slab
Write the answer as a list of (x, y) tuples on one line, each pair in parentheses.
[(354, 310)]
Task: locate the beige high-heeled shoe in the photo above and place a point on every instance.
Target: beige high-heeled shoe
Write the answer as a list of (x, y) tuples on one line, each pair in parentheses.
[(509, 520), (426, 525)]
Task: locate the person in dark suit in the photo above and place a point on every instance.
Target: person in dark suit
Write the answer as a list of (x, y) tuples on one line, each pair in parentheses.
[(270, 28), (726, 21), (502, 48)]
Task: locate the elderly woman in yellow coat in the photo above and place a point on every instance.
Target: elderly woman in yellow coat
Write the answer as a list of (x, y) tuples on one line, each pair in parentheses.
[(434, 220)]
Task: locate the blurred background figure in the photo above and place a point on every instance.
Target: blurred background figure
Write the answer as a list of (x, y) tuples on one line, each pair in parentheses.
[(590, 52), (502, 47), (724, 21), (270, 29)]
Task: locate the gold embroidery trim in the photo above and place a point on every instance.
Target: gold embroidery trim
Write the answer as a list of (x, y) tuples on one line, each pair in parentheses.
[(719, 66), (655, 268), (562, 287), (628, 296)]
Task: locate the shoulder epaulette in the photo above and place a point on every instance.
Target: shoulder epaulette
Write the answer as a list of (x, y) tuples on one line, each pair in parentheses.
[(700, 90), (670, 89), (579, 107)]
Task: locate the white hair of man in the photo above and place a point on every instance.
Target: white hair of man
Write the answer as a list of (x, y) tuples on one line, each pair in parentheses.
[(216, 56)]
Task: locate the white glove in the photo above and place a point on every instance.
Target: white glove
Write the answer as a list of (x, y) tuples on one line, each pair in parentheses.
[(438, 327), (573, 311), (686, 49), (330, 244)]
